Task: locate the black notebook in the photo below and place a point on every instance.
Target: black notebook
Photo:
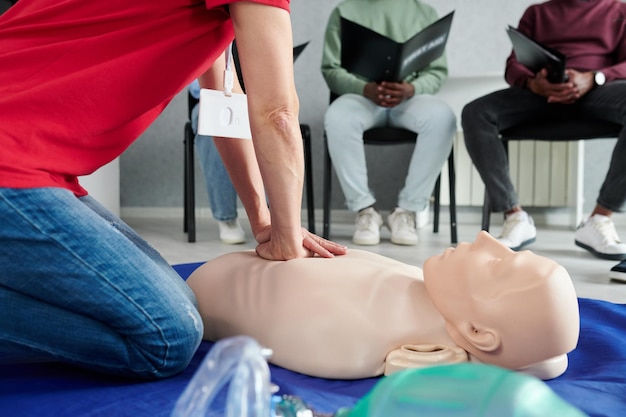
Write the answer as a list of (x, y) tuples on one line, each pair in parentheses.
[(536, 56), (378, 58), (297, 50)]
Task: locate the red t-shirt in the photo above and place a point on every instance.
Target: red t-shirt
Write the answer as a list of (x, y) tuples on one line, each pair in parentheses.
[(81, 80)]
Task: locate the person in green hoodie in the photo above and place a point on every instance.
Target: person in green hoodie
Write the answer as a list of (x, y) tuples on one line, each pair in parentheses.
[(363, 104)]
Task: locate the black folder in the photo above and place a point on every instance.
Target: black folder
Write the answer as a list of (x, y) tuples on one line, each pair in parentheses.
[(378, 58), (536, 56), (297, 50)]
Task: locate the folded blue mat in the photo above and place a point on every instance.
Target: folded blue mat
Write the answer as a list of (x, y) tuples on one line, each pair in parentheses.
[(595, 381)]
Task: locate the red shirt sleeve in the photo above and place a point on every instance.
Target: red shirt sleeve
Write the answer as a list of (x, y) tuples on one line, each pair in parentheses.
[(283, 4)]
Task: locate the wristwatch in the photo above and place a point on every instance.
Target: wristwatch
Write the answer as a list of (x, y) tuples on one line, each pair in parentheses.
[(598, 78)]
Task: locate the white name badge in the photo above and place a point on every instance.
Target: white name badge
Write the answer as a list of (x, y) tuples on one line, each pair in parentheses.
[(221, 115)]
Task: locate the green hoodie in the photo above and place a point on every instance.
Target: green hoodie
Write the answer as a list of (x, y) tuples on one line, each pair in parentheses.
[(396, 19)]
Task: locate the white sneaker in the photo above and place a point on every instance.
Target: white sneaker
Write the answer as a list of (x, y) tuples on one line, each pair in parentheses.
[(618, 272), (518, 230), (368, 223), (597, 234), (231, 232), (401, 223)]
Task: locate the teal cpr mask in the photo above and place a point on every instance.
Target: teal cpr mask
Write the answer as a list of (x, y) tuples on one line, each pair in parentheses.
[(461, 390)]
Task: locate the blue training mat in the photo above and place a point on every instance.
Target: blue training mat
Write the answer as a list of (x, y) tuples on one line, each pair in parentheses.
[(595, 381)]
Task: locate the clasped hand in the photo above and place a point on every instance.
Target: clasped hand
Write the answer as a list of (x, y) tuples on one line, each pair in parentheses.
[(388, 94), (577, 85)]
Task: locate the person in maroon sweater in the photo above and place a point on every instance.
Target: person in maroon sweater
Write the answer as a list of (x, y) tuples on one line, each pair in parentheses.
[(592, 36)]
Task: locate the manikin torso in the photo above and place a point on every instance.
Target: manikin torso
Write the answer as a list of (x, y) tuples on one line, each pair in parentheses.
[(342, 317), (286, 307)]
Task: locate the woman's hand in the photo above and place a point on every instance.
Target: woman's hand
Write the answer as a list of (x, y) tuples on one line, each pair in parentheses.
[(311, 245)]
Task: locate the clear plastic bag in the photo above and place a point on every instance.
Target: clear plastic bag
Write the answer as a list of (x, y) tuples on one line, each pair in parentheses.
[(240, 361)]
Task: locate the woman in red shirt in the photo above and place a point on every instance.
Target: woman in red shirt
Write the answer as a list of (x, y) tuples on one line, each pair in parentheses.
[(76, 283)]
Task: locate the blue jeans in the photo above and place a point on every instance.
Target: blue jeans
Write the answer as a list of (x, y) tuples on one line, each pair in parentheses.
[(351, 114), (486, 116), (78, 285), (222, 194)]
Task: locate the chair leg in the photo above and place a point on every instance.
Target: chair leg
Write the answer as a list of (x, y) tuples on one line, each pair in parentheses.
[(437, 193), (308, 171), (190, 197), (327, 190), (185, 159), (486, 204), (486, 213), (437, 204), (452, 186)]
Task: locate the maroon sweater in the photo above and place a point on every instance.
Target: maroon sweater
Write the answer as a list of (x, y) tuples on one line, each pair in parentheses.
[(591, 34)]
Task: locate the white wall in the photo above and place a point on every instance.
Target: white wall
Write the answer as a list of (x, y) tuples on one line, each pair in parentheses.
[(104, 186)]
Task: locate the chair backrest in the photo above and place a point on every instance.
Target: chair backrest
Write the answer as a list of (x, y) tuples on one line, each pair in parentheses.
[(562, 130), (191, 103), (5, 5)]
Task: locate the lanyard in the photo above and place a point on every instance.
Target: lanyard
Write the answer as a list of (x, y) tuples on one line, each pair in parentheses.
[(228, 72)]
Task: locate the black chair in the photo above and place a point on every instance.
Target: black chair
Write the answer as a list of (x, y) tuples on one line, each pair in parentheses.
[(552, 130), (189, 217), (5, 5), (385, 136)]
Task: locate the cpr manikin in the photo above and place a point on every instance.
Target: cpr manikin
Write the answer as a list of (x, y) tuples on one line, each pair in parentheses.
[(354, 315)]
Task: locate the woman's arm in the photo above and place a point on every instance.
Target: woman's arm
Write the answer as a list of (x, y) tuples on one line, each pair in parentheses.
[(265, 48)]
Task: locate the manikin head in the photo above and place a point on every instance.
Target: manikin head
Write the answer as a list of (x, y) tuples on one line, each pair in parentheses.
[(506, 308)]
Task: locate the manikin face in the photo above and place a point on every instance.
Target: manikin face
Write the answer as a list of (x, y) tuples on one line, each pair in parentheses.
[(484, 270), (500, 302)]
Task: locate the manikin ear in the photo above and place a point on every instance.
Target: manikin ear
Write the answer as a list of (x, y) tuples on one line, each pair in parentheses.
[(482, 338)]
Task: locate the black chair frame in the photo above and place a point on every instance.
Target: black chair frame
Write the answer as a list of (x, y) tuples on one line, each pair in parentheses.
[(566, 130), (385, 136)]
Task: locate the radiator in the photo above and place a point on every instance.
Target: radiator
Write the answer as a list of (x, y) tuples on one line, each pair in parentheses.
[(545, 174)]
